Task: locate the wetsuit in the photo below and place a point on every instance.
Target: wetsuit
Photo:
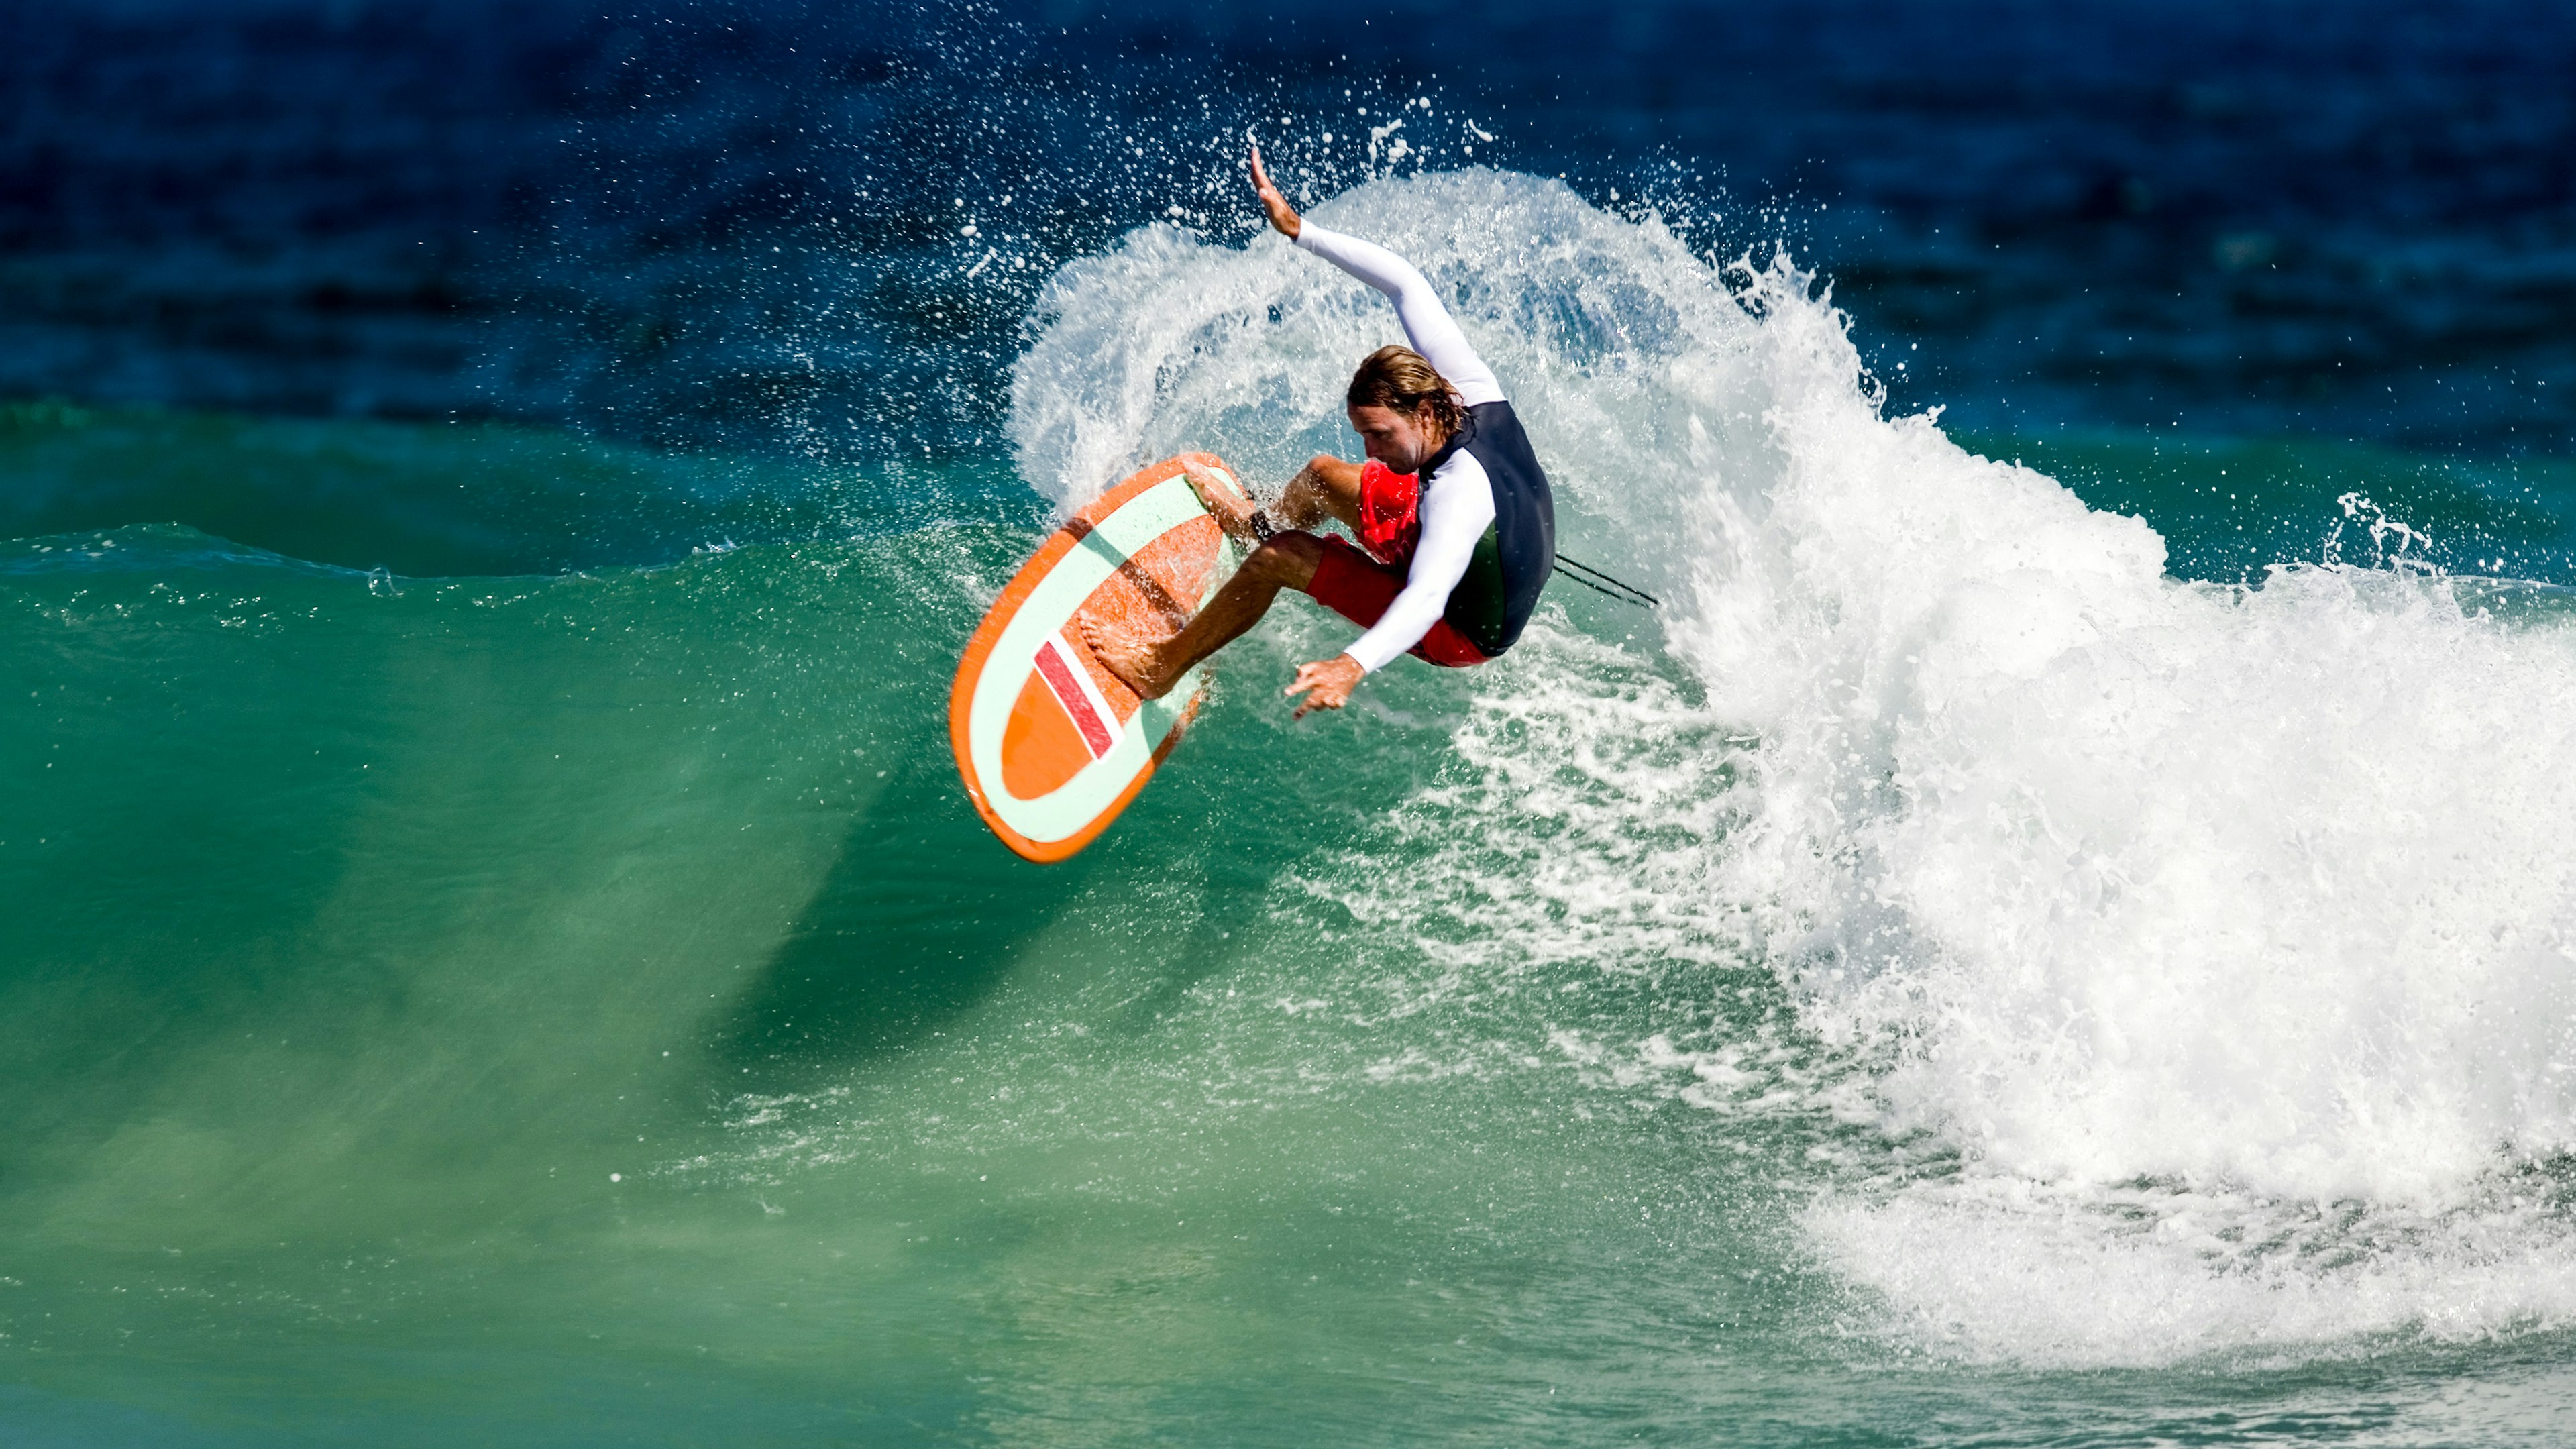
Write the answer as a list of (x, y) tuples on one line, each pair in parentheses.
[(1488, 526)]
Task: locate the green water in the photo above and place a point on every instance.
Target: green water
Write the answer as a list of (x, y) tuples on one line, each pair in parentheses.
[(453, 499), (580, 1008)]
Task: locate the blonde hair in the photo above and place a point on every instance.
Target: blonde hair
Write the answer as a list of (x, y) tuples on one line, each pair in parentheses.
[(1403, 379)]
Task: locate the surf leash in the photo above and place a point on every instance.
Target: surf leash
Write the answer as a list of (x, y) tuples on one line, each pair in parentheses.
[(1601, 583)]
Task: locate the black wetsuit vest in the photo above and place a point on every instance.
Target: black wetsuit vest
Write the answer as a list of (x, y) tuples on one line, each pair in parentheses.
[(1500, 590)]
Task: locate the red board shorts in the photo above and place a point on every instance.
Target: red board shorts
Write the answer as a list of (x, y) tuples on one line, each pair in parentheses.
[(1359, 588)]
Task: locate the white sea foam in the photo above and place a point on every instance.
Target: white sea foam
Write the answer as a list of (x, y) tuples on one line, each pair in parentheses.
[(2001, 1268), (2165, 904)]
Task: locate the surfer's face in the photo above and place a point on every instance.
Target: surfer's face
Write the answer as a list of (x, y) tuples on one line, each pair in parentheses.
[(1399, 440)]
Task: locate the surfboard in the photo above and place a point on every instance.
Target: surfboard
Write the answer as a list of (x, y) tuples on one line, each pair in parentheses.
[(1051, 745)]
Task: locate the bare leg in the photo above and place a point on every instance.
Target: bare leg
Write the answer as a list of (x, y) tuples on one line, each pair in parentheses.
[(1325, 489), (1224, 504), (1151, 668)]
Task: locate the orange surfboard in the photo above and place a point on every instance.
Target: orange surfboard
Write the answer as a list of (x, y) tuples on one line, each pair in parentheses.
[(1050, 743)]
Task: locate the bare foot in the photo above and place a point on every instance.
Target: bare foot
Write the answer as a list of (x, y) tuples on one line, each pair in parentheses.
[(1223, 503), (1136, 663)]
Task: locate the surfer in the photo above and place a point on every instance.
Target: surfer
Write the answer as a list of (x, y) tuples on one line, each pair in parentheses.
[(1451, 506)]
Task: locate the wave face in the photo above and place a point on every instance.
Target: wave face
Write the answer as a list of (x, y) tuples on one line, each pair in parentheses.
[(2198, 957)]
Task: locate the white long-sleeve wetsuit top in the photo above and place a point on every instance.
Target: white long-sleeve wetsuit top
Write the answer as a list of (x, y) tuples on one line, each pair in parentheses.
[(1457, 500)]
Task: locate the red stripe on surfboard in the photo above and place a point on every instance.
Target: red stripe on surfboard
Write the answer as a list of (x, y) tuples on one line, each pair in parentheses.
[(1059, 677)]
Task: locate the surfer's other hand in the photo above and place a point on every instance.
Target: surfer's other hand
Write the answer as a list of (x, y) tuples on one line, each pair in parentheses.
[(1330, 680), (1282, 215)]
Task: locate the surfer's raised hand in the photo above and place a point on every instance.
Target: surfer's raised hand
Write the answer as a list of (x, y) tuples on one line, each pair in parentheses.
[(1331, 681), (1282, 215)]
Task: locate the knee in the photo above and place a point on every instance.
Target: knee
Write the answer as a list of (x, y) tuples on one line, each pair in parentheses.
[(1286, 558)]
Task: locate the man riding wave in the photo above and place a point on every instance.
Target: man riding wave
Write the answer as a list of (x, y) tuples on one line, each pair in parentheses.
[(1451, 505)]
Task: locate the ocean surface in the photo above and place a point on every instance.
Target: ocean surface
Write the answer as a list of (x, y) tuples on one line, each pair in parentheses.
[(2060, 930)]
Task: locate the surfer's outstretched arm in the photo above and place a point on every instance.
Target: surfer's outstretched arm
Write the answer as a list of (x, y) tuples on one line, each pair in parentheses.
[(1427, 323)]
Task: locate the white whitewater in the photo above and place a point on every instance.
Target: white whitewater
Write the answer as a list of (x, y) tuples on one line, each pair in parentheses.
[(2206, 953)]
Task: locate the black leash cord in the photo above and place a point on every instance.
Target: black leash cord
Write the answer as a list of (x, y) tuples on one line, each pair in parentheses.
[(1601, 583)]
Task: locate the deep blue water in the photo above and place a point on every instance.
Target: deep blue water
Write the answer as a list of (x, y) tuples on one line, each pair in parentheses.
[(738, 223)]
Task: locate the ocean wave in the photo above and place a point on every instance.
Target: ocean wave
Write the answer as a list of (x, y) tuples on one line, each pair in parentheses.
[(2116, 888)]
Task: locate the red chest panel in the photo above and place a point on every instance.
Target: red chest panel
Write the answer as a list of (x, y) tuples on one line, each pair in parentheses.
[(1390, 512)]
